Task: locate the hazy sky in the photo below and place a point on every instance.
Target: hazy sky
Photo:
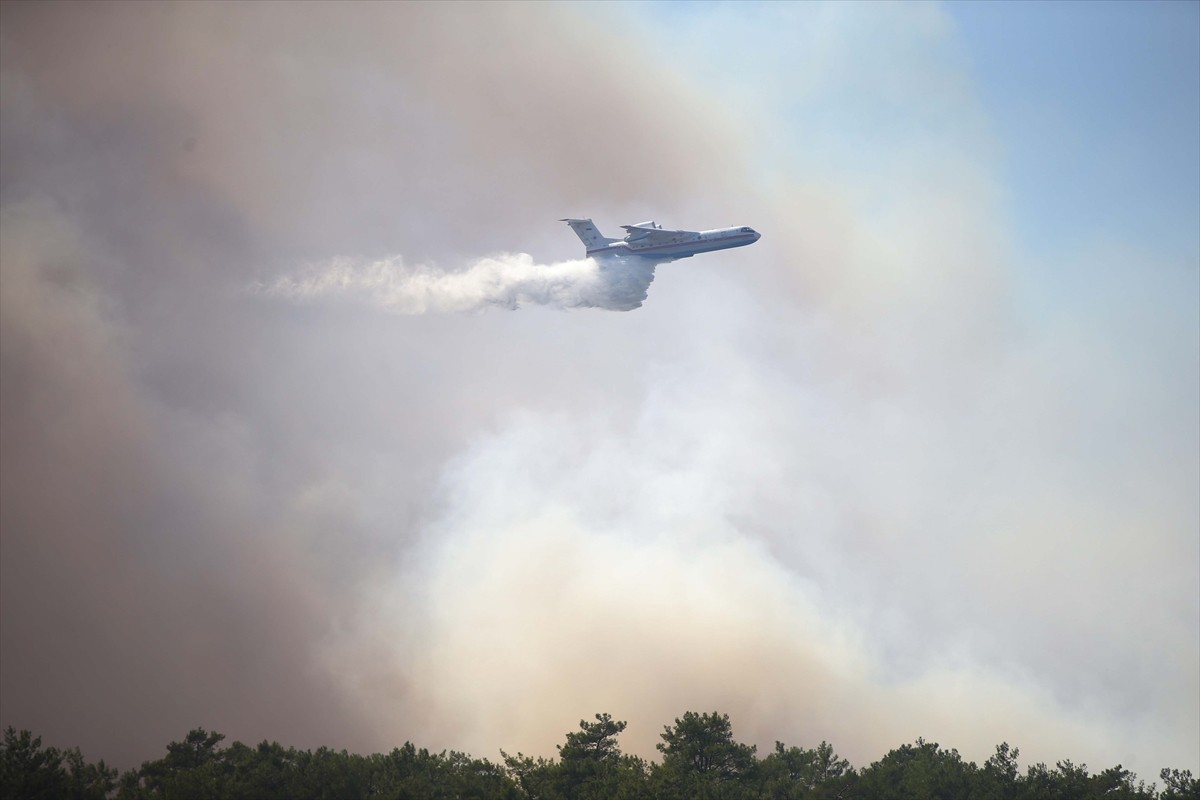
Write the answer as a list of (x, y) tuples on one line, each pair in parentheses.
[(280, 459)]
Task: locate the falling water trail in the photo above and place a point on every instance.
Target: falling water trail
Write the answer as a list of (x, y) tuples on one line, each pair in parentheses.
[(508, 280)]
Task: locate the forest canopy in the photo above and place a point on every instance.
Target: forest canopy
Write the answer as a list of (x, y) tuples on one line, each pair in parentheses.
[(699, 760)]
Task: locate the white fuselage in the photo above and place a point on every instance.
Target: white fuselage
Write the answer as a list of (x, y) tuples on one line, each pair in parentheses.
[(678, 244)]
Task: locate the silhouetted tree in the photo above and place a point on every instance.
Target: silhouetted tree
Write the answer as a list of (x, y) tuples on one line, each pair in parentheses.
[(922, 771), (27, 770), (795, 772), (1179, 785), (701, 760), (591, 766)]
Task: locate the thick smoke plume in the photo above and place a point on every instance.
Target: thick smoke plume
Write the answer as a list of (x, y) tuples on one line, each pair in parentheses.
[(508, 280), (898, 471)]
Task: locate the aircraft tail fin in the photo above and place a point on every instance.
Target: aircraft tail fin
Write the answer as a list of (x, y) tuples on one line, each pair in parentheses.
[(587, 233)]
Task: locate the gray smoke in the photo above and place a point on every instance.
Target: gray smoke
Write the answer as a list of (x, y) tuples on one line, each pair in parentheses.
[(509, 280), (883, 475)]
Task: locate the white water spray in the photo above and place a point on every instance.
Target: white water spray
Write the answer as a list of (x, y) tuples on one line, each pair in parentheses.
[(504, 281)]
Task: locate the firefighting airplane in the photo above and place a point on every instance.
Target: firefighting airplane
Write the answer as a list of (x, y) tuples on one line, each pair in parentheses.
[(650, 241)]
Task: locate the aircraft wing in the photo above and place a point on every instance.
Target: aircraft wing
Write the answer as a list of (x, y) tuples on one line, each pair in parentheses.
[(646, 236)]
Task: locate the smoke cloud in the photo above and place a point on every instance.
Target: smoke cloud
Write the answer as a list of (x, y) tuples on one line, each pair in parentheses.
[(876, 477), (503, 281)]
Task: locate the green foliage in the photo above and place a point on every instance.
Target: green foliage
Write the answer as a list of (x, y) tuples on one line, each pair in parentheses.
[(1068, 781), (1179, 785), (591, 766), (594, 743), (923, 770), (537, 779), (31, 772), (794, 772), (997, 779), (196, 768), (700, 761), (703, 744)]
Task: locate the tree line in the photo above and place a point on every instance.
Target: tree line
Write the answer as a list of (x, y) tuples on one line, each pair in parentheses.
[(700, 760)]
